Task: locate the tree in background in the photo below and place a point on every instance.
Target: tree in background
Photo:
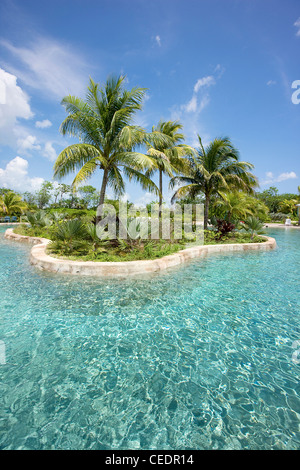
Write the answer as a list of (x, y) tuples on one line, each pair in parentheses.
[(89, 196), (12, 204), (214, 170), (44, 195), (168, 158)]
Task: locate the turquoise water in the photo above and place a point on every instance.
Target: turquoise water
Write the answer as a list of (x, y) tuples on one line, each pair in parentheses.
[(200, 357)]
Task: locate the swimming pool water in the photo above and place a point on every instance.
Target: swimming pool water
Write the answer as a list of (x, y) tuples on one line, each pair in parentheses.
[(199, 357)]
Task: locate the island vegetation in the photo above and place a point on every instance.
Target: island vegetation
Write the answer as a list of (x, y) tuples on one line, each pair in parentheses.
[(111, 145)]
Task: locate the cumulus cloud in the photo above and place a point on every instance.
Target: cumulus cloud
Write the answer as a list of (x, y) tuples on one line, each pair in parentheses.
[(15, 176), (287, 176), (271, 178), (27, 145), (43, 124), (145, 199), (14, 106), (49, 152)]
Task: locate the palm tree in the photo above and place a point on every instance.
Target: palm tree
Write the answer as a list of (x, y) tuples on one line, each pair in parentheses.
[(253, 225), (214, 170), (235, 205), (103, 124), (12, 203), (168, 159)]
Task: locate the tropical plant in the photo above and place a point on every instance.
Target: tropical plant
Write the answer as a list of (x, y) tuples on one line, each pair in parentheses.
[(214, 170), (103, 124), (69, 235), (224, 227), (168, 158), (38, 219), (56, 217), (11, 203), (232, 206), (253, 225), (278, 216), (288, 206), (96, 235)]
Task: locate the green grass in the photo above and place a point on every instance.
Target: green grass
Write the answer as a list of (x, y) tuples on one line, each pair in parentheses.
[(151, 250), (43, 232)]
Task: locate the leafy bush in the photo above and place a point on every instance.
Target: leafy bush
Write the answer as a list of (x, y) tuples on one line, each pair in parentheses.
[(224, 227), (253, 225), (278, 216), (38, 219)]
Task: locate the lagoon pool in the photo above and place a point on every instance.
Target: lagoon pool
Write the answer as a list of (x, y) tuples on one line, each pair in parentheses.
[(203, 356)]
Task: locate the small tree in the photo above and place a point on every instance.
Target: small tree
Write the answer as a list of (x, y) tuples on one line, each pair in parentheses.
[(253, 225), (44, 195)]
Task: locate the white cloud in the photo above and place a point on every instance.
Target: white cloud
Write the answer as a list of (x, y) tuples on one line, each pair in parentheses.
[(13, 107), (43, 124), (191, 106), (203, 103), (196, 105), (287, 176), (49, 152), (30, 144), (15, 176), (188, 113), (297, 24), (204, 82), (271, 178), (147, 198), (158, 40), (50, 67), (125, 197), (271, 82), (27, 145)]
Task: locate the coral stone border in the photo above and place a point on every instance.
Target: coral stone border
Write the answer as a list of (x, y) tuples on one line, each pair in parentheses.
[(40, 259)]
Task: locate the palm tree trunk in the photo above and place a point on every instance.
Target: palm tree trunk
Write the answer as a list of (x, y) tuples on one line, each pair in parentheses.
[(206, 207), (160, 195), (160, 203), (102, 193)]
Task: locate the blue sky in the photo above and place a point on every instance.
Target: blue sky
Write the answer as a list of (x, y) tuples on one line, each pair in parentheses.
[(222, 67)]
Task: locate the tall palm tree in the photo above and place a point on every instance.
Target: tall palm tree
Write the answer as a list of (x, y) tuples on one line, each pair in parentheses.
[(167, 156), (12, 203), (103, 124), (214, 170)]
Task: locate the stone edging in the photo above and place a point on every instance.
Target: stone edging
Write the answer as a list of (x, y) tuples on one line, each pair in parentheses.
[(40, 259)]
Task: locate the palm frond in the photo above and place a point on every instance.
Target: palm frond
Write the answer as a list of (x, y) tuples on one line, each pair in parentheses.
[(146, 183), (74, 157), (85, 172)]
